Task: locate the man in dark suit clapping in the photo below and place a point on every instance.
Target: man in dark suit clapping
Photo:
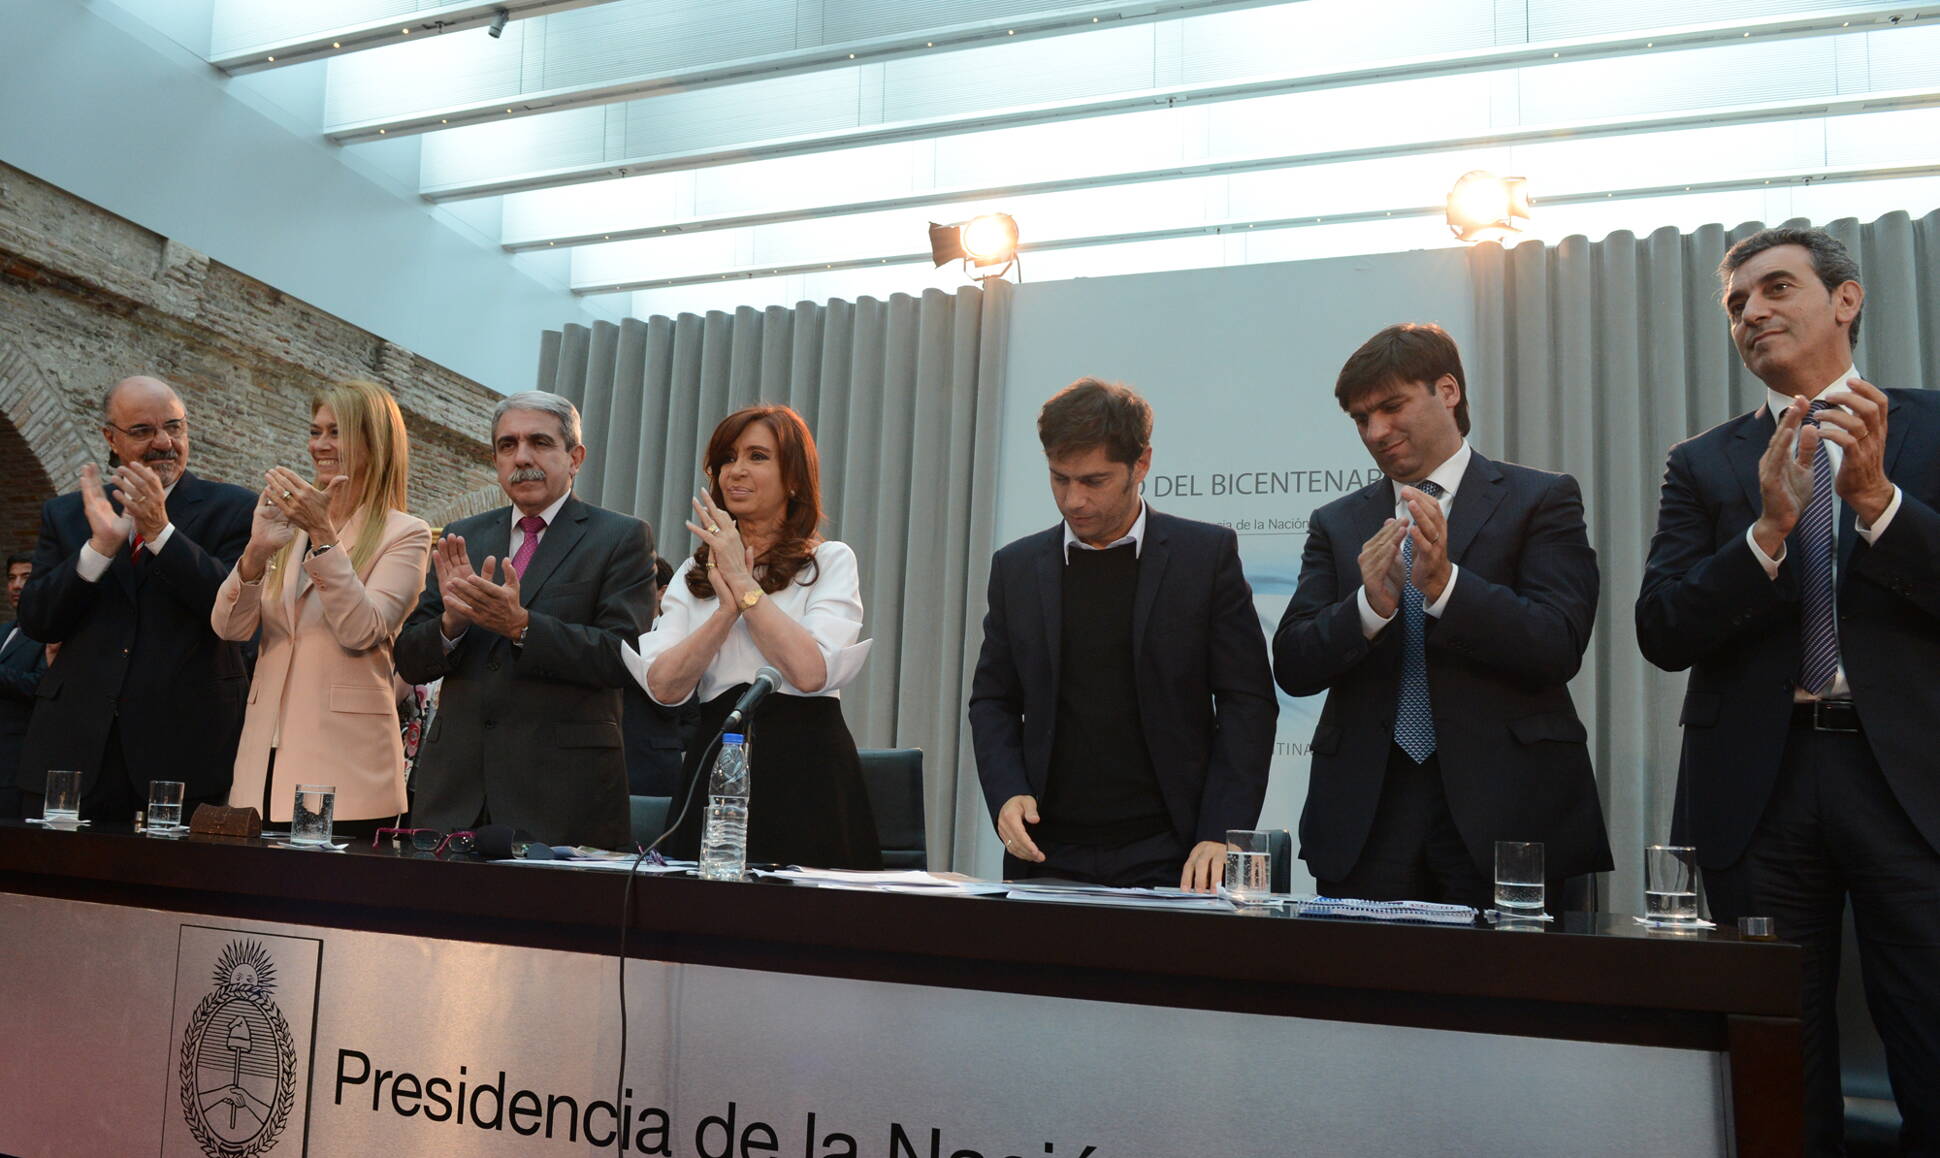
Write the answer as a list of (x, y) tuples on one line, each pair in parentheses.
[(523, 618), (124, 577), (1122, 708), (1443, 609), (1796, 573)]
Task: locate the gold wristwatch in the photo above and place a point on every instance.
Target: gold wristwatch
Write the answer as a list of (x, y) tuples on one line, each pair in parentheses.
[(750, 599)]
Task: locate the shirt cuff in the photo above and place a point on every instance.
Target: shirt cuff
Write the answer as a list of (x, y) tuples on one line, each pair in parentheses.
[(449, 643), (1371, 624), (1435, 609), (1871, 534), (1757, 552), (161, 540), (92, 564)]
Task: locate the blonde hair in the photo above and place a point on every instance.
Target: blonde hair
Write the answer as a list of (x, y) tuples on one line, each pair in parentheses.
[(370, 430)]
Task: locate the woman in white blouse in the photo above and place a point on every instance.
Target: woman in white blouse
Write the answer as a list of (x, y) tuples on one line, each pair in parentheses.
[(763, 589)]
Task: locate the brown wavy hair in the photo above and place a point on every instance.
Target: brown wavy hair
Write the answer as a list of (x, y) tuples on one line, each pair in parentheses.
[(801, 473)]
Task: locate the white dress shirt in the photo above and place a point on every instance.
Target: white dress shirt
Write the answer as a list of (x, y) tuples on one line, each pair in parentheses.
[(1135, 536), (517, 540), (1447, 476), (1835, 456), (830, 608), (92, 564)]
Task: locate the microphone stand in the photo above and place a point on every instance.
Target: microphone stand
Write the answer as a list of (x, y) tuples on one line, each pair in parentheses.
[(702, 772)]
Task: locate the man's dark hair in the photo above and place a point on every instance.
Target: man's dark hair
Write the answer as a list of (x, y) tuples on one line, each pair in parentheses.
[(1830, 259), (1408, 353), (1091, 412), (12, 559)]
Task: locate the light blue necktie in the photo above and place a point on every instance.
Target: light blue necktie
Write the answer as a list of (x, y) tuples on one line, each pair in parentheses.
[(1414, 720), (1820, 662)]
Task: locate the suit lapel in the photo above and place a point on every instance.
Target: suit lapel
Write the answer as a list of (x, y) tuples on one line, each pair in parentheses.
[(1153, 554), (1050, 594), (1746, 448), (555, 543), (1376, 506), (9, 646), (297, 581), (1476, 497), (1848, 535), (184, 512), (493, 539)]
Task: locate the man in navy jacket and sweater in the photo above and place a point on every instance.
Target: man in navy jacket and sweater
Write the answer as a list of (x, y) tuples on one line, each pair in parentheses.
[(1122, 708)]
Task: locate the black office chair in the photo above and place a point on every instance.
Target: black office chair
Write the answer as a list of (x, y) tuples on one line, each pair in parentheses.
[(648, 817), (893, 777)]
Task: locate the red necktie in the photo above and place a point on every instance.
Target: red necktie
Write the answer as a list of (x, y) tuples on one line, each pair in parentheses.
[(531, 525)]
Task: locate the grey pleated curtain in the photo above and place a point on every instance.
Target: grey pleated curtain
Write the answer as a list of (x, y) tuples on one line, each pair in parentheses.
[(902, 396), (1594, 358)]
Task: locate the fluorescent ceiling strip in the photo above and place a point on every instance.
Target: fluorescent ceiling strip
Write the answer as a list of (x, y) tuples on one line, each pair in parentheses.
[(398, 29), (1826, 23), (1901, 101), (1777, 180), (924, 42)]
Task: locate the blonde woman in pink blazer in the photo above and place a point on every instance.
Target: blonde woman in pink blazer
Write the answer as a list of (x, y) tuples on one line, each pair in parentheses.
[(332, 569)]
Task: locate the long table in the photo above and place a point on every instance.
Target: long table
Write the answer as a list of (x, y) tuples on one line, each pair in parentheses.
[(201, 996)]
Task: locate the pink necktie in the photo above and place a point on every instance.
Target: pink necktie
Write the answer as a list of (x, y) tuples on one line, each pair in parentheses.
[(531, 525)]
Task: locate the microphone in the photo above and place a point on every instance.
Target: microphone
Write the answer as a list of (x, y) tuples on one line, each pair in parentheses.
[(766, 680)]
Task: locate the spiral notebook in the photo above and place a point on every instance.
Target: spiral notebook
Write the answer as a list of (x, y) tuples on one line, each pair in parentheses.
[(1426, 911)]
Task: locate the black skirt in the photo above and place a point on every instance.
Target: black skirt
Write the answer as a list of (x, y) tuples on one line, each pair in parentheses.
[(806, 801)]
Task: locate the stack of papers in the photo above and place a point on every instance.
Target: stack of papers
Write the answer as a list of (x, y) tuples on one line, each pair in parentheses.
[(1077, 894), (889, 881), (610, 861), (1388, 910)]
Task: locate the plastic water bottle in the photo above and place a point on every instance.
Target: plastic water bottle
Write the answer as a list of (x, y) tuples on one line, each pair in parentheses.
[(724, 836)]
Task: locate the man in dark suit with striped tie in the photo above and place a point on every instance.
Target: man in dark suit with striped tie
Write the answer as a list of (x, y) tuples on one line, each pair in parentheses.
[(1796, 573), (1443, 609)]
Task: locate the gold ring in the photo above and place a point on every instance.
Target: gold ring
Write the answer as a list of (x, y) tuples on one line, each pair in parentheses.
[(288, 494), (713, 529)]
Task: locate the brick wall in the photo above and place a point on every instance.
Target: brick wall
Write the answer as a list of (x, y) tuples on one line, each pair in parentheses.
[(88, 298), (27, 487)]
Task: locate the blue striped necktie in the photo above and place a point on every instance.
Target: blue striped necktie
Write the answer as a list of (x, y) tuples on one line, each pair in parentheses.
[(1820, 662), (1414, 720)]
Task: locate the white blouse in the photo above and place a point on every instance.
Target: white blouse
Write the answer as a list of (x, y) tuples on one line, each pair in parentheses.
[(830, 608)]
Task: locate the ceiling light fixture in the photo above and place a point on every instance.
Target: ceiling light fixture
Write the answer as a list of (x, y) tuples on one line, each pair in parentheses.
[(1485, 207), (987, 245)]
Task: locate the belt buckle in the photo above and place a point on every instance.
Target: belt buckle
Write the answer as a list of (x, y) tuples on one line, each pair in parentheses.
[(1834, 716)]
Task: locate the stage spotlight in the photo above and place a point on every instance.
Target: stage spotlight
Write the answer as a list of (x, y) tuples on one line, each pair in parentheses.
[(498, 24), (1484, 207), (981, 243)]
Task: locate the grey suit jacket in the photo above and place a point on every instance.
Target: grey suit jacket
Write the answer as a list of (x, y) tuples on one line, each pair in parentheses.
[(531, 733)]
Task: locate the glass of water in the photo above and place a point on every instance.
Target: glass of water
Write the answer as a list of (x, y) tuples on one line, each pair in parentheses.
[(1249, 867), (63, 803), (1670, 884), (165, 806), (1519, 878), (310, 820)]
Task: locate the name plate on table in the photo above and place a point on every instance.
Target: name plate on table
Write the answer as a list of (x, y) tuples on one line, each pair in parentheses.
[(328, 1042)]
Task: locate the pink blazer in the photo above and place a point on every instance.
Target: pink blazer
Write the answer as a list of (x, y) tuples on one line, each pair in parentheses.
[(322, 694)]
